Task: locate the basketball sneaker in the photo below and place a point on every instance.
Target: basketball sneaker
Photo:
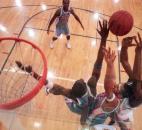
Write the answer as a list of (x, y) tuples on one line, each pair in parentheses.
[(48, 87), (68, 45), (51, 44), (68, 100)]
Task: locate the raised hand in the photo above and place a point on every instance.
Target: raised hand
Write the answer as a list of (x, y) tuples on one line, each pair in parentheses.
[(109, 56), (127, 42), (138, 42), (104, 29)]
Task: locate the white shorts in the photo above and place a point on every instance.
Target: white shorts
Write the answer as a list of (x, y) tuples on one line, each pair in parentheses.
[(103, 127)]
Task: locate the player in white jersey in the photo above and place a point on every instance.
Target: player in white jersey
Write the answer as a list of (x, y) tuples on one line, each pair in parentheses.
[(62, 16)]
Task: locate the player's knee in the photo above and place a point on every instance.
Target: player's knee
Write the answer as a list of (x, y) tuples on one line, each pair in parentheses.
[(54, 38), (68, 37)]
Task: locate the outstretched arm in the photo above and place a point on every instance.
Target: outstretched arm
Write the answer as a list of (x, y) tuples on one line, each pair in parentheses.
[(56, 89), (57, 13), (110, 78), (138, 59), (126, 42), (77, 18), (92, 82), (104, 31)]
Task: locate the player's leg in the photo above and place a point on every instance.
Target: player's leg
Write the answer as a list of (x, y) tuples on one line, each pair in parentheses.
[(67, 33), (52, 42), (58, 32), (68, 42)]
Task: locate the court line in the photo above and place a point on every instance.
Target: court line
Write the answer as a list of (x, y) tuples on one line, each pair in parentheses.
[(16, 70)]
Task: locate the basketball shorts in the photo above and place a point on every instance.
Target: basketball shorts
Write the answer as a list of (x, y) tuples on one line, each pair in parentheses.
[(62, 29)]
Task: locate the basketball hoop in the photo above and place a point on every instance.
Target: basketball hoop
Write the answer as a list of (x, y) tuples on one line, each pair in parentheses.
[(13, 80)]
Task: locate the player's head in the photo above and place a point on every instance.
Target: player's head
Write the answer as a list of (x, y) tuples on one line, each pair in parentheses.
[(66, 4), (135, 95), (79, 88)]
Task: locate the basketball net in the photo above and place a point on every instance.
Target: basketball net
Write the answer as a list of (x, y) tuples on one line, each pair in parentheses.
[(18, 87)]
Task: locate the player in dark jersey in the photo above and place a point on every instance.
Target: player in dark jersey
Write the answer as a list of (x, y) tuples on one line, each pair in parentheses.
[(132, 89)]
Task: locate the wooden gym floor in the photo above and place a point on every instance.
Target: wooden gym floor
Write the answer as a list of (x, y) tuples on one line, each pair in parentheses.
[(50, 112)]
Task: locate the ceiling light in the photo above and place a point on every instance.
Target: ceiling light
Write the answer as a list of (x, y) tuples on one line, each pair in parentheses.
[(116, 1), (18, 3), (93, 43), (119, 48), (96, 16), (31, 33), (3, 28), (50, 75), (43, 6), (37, 124)]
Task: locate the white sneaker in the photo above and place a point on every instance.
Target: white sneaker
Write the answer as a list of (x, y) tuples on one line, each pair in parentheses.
[(48, 87), (46, 91), (68, 45), (51, 44), (68, 100)]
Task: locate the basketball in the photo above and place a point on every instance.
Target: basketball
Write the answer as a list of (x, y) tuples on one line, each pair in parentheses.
[(121, 23)]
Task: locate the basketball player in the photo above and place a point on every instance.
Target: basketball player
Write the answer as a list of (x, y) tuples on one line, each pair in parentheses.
[(132, 89), (62, 16), (105, 103)]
